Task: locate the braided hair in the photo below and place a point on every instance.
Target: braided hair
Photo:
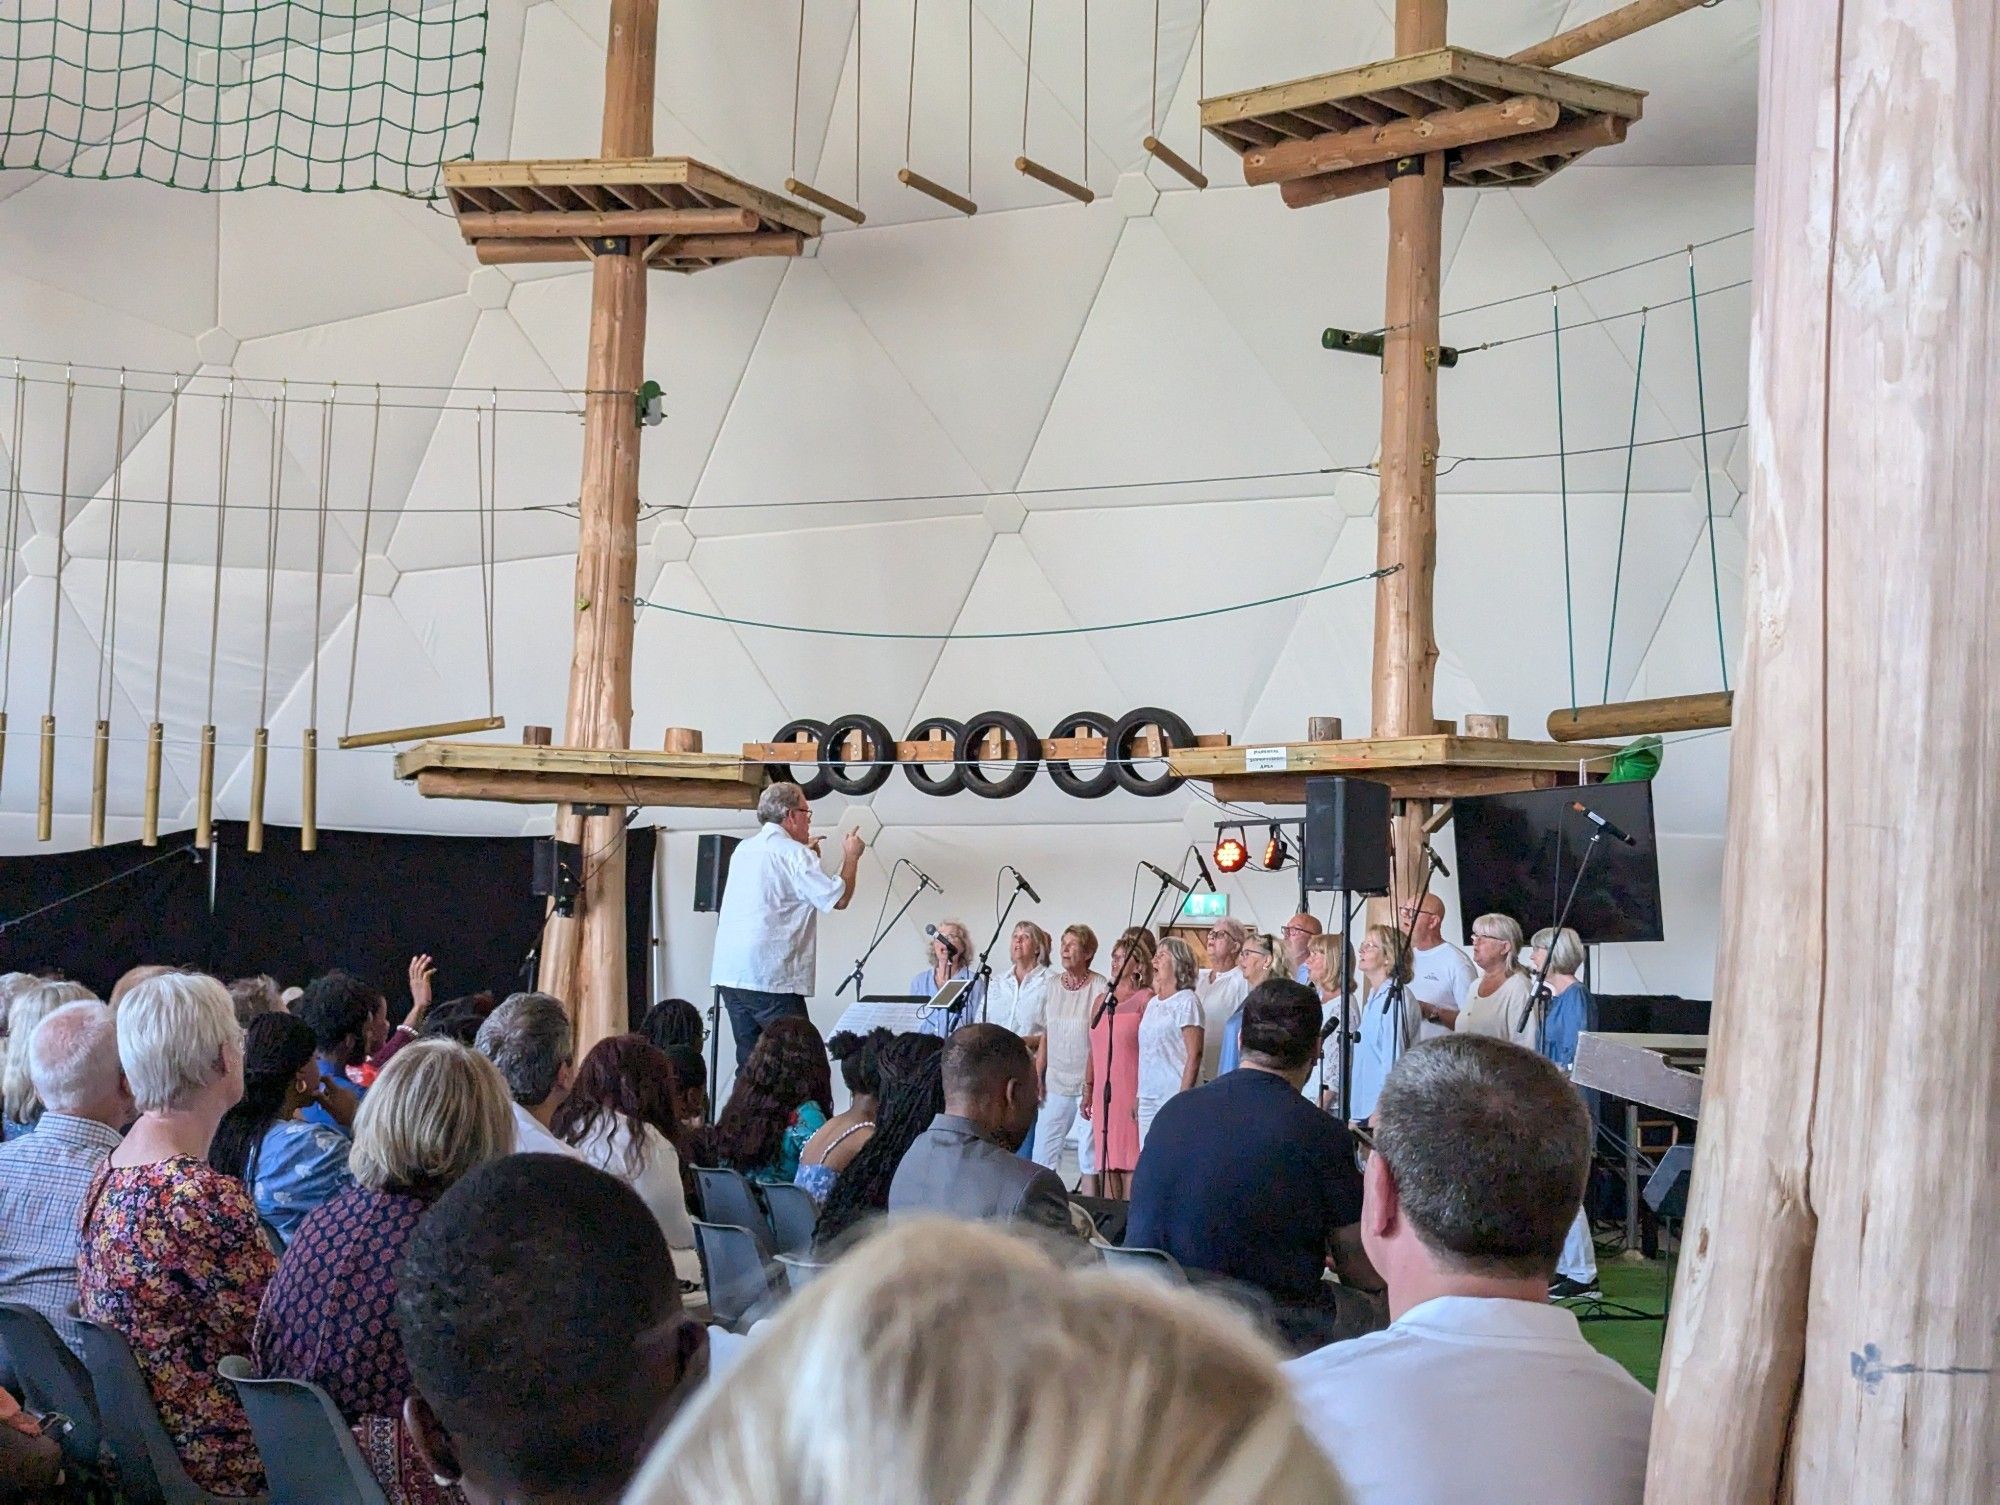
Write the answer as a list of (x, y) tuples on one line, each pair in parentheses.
[(276, 1048), (912, 1095)]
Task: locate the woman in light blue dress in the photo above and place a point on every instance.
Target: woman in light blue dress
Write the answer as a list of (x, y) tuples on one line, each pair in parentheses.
[(290, 1166)]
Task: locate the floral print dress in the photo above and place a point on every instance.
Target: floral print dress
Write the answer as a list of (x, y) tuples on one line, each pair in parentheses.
[(172, 1259)]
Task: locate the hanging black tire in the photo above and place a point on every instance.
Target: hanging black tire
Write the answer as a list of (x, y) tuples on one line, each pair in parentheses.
[(814, 784), (1067, 779), (952, 780), (1173, 731), (1027, 754), (878, 755)]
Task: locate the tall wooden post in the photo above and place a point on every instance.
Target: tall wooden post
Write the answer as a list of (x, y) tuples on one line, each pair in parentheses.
[(583, 959), (1836, 1323), (1406, 517)]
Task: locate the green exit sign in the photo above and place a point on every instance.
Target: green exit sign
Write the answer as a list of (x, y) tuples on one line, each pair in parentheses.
[(1205, 907)]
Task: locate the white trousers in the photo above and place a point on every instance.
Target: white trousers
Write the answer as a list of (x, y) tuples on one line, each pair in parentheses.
[(1148, 1106), (1579, 1256), (1053, 1123)]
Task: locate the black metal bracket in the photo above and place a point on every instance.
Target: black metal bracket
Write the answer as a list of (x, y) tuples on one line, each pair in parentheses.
[(1359, 342)]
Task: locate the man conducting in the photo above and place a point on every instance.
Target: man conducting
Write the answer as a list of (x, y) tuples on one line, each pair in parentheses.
[(765, 936)]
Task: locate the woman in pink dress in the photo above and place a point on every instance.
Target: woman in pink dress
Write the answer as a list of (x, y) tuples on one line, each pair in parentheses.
[(1117, 1141)]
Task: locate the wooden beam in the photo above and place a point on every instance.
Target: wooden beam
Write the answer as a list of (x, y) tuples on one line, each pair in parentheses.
[(1609, 27), (1048, 177), (937, 191), (1369, 756), (1304, 193), (1441, 130), (501, 253), (422, 733), (541, 223), (620, 791), (735, 247), (1569, 139), (800, 189), (1167, 157), (1632, 718), (1405, 784)]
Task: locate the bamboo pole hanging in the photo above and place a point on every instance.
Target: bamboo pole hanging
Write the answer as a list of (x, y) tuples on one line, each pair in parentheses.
[(45, 797), (1026, 165), (204, 800), (794, 184), (156, 731), (909, 176), (260, 745)]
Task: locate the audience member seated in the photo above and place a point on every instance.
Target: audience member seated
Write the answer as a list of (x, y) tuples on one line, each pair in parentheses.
[(44, 1176), (1170, 1034), (423, 976), (966, 1164), (27, 1010), (782, 1095), (620, 1115), (31, 1461), (1245, 1179), (1391, 1018), (955, 1364), (1495, 1003), (437, 1112), (672, 1022), (132, 977), (349, 1019), (530, 1038), (842, 1137), (171, 1255), (545, 1335), (690, 1086), (912, 1097), (1478, 1389), (290, 1166), (457, 1019), (256, 995)]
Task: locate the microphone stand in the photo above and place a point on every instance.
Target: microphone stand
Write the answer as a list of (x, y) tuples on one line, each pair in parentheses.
[(853, 979), (1109, 1009), (983, 978), (1538, 996)]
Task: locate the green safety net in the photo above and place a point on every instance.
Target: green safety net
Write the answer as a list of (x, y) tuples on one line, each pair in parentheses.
[(324, 96)]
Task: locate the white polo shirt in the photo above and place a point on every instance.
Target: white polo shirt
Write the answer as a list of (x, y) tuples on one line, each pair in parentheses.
[(1477, 1398), (764, 937)]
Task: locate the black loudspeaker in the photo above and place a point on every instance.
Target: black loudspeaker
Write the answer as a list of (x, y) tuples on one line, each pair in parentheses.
[(1347, 836), (711, 871), (558, 873)]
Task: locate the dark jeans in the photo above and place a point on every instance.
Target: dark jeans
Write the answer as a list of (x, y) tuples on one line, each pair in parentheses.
[(750, 1011)]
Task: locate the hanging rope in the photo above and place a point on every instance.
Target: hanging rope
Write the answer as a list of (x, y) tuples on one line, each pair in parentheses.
[(1624, 506), (166, 548), (62, 552), (319, 550), (1027, 77), (991, 637), (857, 101), (1562, 476), (1153, 79), (489, 540), (107, 613), (361, 573), (271, 554), (968, 98), (1707, 473), (798, 79), (13, 534), (226, 429)]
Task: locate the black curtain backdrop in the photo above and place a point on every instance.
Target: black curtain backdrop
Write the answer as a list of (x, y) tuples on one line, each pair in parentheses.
[(365, 901)]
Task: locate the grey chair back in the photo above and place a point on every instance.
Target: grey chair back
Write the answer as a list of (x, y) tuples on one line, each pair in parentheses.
[(1154, 1262), (149, 1470), (799, 1270), (310, 1457), (794, 1216), (733, 1269), (728, 1198), (52, 1379)]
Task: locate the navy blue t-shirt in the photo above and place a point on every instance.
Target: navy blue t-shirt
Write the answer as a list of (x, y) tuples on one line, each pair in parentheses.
[(1246, 1178)]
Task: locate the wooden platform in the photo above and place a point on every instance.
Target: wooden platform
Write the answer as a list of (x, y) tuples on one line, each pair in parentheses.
[(1433, 768), (517, 774), (1498, 122), (690, 215)]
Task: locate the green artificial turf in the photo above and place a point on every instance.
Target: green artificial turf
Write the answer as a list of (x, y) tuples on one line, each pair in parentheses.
[(1636, 1345)]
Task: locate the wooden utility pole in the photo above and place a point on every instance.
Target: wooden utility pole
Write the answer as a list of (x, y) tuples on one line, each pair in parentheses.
[(1405, 668), (1836, 1322), (583, 958)]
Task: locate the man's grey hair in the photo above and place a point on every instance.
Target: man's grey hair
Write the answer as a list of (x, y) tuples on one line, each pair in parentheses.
[(73, 1057), (529, 1037), (778, 801), (1489, 1145)]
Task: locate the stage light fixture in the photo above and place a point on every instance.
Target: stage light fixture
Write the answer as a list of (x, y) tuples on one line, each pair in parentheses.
[(1276, 850), (1231, 855)]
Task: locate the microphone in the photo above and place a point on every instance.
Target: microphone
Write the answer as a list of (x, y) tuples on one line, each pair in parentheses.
[(949, 946), (1166, 877), (924, 879), (1602, 824), (1202, 863), (1437, 861), (1024, 885)]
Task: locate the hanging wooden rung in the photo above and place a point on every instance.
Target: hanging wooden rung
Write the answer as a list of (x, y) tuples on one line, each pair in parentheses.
[(100, 779), (937, 191), (260, 764), (1048, 176), (204, 798), (1166, 156), (422, 733), (1632, 718), (826, 201), (156, 740), (45, 797)]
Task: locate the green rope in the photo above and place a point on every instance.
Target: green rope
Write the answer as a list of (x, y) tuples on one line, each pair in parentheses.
[(988, 637), (222, 95), (1707, 474), (1625, 504), (1562, 474)]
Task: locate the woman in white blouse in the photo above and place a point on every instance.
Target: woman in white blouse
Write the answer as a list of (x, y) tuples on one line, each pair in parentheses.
[(1496, 1001), (1062, 1053), (620, 1116), (1170, 1035), (1018, 997)]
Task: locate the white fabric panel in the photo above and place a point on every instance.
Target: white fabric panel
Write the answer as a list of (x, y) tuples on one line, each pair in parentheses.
[(687, 672), (559, 110), (1700, 74), (78, 236)]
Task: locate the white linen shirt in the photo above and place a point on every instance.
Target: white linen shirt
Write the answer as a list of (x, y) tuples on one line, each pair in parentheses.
[(764, 937), (1162, 1046), (1066, 1017), (1221, 995), (1019, 1004), (1477, 1398)]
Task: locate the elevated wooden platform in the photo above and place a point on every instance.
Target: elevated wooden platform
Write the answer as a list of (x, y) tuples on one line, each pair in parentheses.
[(1432, 768), (519, 774), (690, 215), (1498, 122)]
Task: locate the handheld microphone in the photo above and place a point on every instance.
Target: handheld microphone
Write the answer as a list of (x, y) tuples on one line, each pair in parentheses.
[(1025, 886), (949, 945), (1602, 824), (924, 879), (1166, 877)]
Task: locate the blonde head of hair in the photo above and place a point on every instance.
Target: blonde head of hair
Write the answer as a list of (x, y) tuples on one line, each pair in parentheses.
[(954, 1361), (28, 1008), (437, 1111)]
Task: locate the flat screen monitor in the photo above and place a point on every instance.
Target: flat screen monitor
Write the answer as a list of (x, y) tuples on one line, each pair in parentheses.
[(1518, 854)]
